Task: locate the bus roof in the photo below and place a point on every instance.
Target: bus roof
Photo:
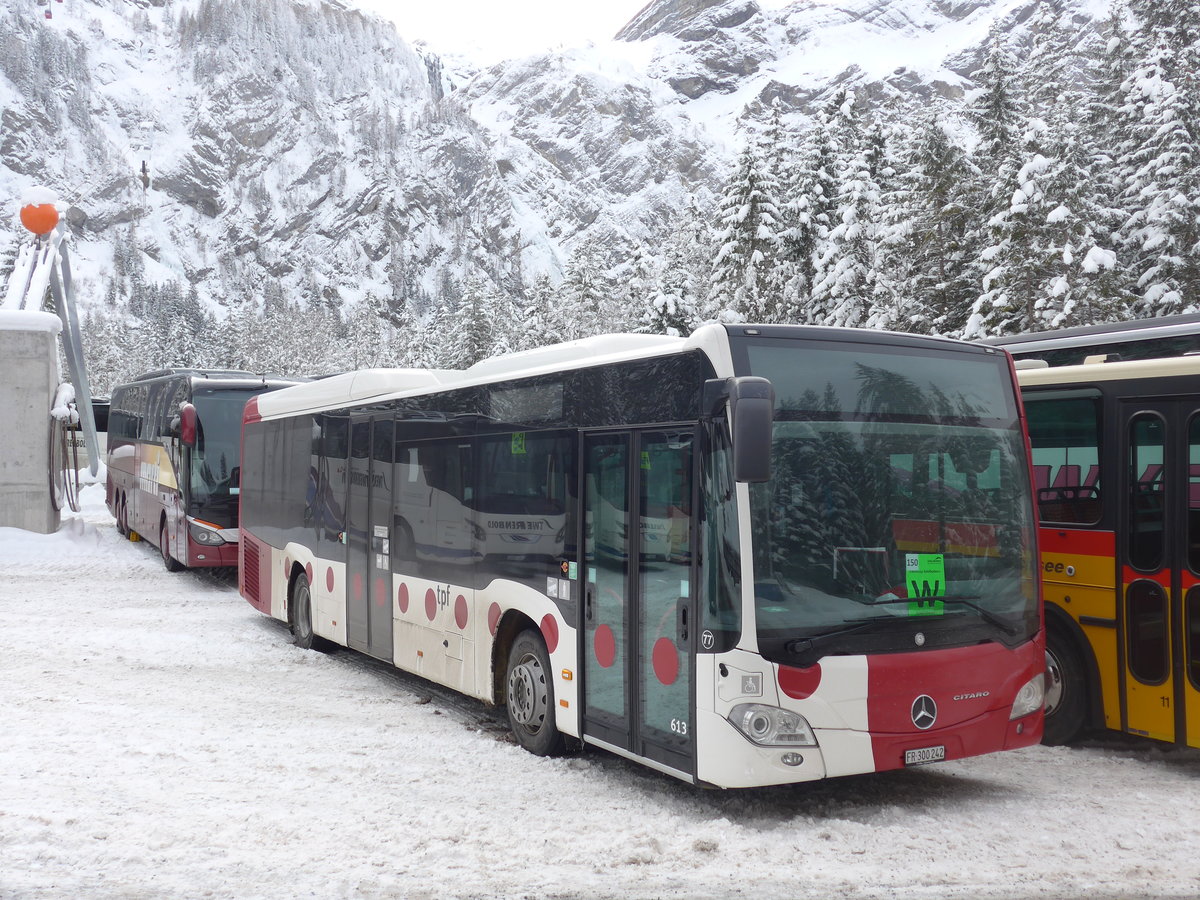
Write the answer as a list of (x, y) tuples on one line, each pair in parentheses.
[(1106, 333), (224, 378), (1171, 367), (370, 385), (378, 385)]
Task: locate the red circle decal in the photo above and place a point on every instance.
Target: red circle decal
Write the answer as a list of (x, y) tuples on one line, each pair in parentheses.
[(800, 684), (550, 632), (460, 612), (402, 597), (666, 660), (380, 592), (430, 604), (605, 646), (358, 587), (493, 617), (329, 580), (308, 573)]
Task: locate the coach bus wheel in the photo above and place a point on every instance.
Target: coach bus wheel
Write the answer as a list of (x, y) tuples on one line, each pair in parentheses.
[(122, 516), (171, 563), (1066, 690), (300, 614), (406, 547), (530, 696)]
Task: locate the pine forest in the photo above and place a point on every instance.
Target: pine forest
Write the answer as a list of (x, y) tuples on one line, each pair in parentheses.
[(1063, 190)]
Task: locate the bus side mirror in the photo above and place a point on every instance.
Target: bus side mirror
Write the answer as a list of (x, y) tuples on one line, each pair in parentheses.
[(187, 424), (751, 402)]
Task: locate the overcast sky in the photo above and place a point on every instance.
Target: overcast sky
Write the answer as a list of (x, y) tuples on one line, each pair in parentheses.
[(505, 29)]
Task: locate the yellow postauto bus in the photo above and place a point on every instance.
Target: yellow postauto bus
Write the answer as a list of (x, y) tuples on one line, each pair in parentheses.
[(1116, 458)]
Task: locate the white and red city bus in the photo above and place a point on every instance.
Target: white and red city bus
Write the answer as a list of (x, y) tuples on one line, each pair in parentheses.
[(173, 460), (754, 556)]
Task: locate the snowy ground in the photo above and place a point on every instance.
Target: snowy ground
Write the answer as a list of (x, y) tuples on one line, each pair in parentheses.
[(163, 739)]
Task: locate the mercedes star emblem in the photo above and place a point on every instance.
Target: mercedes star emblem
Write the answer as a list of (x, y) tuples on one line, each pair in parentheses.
[(924, 712)]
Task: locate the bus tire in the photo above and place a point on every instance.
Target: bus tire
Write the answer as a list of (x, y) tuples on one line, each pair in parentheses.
[(529, 696), (122, 516), (300, 614), (170, 562), (1066, 690), (406, 547)]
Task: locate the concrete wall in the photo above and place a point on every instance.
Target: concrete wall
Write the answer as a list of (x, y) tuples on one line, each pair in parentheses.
[(29, 378)]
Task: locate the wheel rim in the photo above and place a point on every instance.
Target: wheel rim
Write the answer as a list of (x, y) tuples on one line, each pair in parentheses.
[(528, 697), (1054, 683)]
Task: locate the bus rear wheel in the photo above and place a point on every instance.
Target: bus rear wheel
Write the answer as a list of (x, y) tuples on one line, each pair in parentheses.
[(170, 562), (1066, 690), (529, 697), (300, 614), (122, 516)]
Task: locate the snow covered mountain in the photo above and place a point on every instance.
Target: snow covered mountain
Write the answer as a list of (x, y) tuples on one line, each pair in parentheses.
[(227, 145)]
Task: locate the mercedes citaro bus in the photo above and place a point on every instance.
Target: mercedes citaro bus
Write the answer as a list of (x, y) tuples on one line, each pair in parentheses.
[(754, 556)]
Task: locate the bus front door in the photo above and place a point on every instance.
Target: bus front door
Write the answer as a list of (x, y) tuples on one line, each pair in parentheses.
[(1159, 615), (369, 537), (637, 588)]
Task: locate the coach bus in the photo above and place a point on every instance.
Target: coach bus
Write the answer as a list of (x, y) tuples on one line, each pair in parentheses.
[(1116, 454), (754, 556), (173, 460)]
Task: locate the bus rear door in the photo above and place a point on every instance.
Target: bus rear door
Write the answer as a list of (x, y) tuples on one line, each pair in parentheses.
[(638, 655), (1160, 570)]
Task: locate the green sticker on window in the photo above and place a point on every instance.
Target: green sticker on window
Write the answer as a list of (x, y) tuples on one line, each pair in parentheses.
[(518, 443), (645, 459), (925, 574)]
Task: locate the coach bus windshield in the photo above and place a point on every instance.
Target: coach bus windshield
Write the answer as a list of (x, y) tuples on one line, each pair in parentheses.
[(899, 512), (215, 459)]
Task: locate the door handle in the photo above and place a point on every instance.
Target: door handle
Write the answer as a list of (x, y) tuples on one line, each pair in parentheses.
[(682, 624), (587, 602)]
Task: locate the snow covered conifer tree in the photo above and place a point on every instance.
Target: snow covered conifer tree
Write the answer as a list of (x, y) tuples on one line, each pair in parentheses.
[(1162, 184), (585, 294), (847, 267), (538, 323), (810, 190), (746, 234), (928, 251)]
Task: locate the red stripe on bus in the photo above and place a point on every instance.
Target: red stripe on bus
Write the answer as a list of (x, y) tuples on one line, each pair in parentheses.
[(1162, 578), (1086, 542), (250, 414)]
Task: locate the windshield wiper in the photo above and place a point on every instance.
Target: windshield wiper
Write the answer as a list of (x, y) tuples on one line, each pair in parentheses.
[(805, 646), (986, 614)]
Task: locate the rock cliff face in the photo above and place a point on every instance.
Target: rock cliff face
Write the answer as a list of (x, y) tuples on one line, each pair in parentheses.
[(801, 52), (224, 145)]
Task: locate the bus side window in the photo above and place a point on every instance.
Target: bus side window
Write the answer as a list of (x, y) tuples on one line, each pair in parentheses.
[(1065, 435), (720, 559)]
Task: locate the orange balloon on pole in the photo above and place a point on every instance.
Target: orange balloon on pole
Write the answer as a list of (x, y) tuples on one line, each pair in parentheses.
[(40, 218)]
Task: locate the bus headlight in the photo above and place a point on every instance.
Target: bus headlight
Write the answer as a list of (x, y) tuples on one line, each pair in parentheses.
[(205, 536), (770, 726), (1029, 698), (476, 532)]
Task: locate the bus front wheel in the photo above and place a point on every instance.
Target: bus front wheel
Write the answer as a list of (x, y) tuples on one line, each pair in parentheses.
[(300, 614), (170, 562), (1066, 690), (530, 696)]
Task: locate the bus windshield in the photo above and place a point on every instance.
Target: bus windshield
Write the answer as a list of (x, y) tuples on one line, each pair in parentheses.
[(899, 511), (215, 459)]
